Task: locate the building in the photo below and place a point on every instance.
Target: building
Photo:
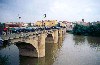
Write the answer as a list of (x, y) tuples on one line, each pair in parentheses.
[(94, 23), (50, 23), (82, 23), (47, 23), (25, 25), (13, 24), (38, 23), (62, 23), (69, 25)]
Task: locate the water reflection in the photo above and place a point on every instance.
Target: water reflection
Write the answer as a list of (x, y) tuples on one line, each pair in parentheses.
[(4, 60), (50, 53), (94, 41), (60, 41), (28, 61), (12, 53), (91, 40), (31, 61), (71, 50), (78, 39), (77, 51)]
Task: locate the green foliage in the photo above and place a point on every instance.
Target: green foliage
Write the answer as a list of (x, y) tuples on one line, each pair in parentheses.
[(92, 30)]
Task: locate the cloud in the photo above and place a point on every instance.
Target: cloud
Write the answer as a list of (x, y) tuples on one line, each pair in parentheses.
[(33, 10), (74, 10)]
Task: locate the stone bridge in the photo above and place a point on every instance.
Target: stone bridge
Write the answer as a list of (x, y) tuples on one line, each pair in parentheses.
[(32, 44)]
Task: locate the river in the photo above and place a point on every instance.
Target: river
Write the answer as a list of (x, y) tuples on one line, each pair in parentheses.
[(71, 50)]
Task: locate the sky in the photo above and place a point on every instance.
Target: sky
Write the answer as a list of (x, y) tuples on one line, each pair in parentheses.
[(61, 10)]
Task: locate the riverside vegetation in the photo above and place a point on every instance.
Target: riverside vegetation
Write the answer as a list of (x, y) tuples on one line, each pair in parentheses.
[(91, 30)]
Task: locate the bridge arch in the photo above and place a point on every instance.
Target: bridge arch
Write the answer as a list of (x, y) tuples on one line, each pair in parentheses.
[(52, 37), (49, 35), (49, 38), (27, 49)]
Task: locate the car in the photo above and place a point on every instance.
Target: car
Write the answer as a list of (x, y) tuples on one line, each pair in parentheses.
[(30, 29), (23, 30), (55, 27), (47, 28), (40, 28), (35, 28), (16, 30)]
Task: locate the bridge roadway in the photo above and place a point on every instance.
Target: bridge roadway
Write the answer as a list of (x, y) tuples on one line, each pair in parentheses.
[(34, 42)]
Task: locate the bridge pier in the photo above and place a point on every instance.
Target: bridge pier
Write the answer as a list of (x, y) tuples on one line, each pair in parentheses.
[(33, 47), (41, 45), (64, 30), (55, 36), (60, 32)]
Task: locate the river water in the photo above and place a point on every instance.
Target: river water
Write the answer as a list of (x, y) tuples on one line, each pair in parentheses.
[(71, 50)]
